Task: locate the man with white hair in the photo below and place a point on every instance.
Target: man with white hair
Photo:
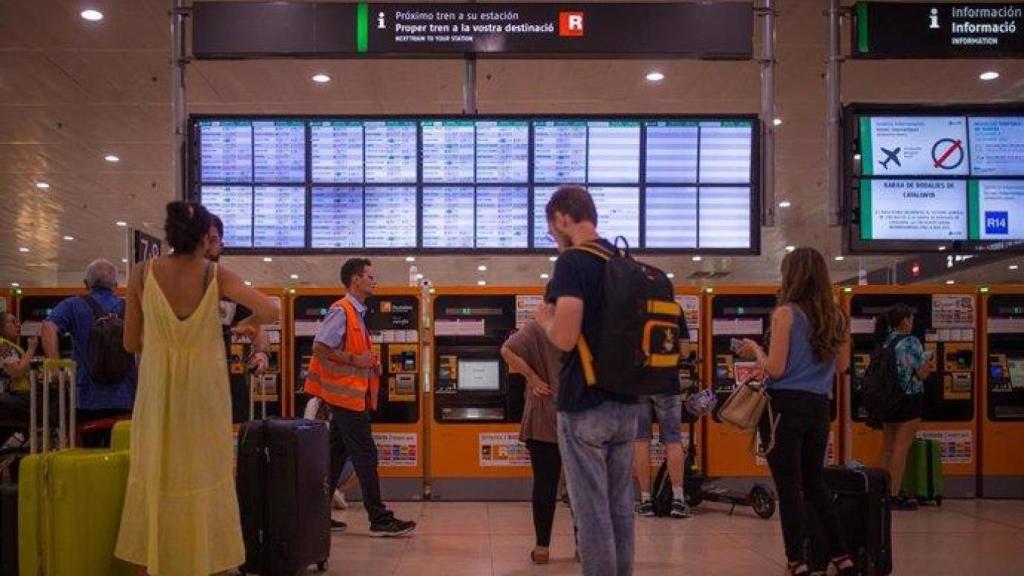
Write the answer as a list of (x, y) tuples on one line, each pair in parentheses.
[(106, 373)]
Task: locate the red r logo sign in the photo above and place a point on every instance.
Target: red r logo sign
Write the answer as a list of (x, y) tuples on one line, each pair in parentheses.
[(570, 24)]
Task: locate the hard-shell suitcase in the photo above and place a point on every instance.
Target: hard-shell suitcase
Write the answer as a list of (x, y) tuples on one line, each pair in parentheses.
[(861, 499), (69, 500), (922, 478), (8, 530), (284, 497), (121, 435)]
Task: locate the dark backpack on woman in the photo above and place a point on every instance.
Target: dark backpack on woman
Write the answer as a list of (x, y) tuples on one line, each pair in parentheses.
[(881, 388), (109, 362)]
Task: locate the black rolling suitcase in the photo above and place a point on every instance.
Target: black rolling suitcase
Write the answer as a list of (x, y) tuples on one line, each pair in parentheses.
[(861, 498), (9, 530), (284, 500)]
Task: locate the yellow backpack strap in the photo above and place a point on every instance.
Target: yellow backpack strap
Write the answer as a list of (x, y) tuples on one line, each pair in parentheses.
[(594, 249), (587, 361)]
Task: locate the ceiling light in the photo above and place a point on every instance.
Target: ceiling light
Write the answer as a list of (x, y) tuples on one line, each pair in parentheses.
[(1014, 267), (950, 282), (69, 238), (709, 290), (124, 260), (23, 250), (840, 258), (777, 122), (111, 158), (482, 268), (785, 204), (545, 276), (790, 248), (989, 75), (247, 283), (671, 275), (294, 276), (984, 289), (120, 223), (696, 258), (410, 258), (321, 78), (552, 258), (432, 291), (268, 259), (848, 290), (482, 283), (92, 15), (15, 285), (942, 248), (655, 76), (42, 185), (856, 157), (419, 276)]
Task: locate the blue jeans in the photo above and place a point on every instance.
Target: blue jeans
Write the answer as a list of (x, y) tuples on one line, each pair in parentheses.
[(597, 451)]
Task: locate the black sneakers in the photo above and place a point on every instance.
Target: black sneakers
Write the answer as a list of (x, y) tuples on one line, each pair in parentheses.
[(338, 526), (392, 528), (645, 508)]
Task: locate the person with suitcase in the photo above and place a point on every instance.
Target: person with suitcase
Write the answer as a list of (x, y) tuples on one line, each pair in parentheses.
[(809, 344), (344, 373), (181, 514), (894, 331)]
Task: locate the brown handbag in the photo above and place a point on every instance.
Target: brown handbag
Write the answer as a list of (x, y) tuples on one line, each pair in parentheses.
[(744, 407)]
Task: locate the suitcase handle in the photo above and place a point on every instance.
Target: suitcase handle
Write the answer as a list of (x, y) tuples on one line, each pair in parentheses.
[(65, 370)]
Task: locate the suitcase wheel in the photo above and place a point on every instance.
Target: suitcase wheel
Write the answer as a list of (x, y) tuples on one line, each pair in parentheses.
[(321, 566), (762, 502)]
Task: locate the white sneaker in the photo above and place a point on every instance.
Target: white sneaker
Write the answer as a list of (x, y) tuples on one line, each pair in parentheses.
[(339, 501)]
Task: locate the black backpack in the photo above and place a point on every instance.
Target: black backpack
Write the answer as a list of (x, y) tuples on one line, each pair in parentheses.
[(109, 362), (881, 388), (662, 496), (637, 349)]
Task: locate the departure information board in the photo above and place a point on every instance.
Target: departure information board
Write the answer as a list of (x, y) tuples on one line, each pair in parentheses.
[(453, 184), (947, 176)]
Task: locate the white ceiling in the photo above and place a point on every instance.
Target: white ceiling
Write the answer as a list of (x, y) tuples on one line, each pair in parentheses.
[(72, 91)]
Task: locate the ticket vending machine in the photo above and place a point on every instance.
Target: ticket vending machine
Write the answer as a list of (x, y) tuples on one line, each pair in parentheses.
[(476, 403), (34, 307), (945, 318), (393, 320), (741, 312), (1002, 404), (254, 397)]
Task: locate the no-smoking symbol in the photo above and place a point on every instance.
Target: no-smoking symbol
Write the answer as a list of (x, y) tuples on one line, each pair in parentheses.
[(948, 154)]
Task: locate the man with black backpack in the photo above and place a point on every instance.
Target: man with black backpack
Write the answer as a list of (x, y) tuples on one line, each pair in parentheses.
[(106, 372), (618, 323)]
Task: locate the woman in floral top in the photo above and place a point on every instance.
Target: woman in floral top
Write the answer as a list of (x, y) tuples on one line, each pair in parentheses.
[(14, 382), (914, 365)]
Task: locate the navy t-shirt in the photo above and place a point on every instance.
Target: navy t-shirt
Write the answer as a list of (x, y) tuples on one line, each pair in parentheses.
[(580, 275)]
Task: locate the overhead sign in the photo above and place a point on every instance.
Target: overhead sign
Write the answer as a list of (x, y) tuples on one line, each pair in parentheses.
[(938, 30), (331, 30), (145, 246)]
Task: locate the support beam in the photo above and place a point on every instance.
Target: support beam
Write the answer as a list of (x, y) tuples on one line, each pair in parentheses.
[(767, 14), (834, 156), (469, 105), (178, 103)]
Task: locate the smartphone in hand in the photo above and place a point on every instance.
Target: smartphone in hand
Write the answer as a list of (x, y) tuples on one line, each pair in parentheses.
[(735, 344)]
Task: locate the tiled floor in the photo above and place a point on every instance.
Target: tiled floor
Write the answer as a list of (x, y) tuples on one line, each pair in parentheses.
[(971, 538)]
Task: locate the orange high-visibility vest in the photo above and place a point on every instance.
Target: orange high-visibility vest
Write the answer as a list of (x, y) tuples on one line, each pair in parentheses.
[(339, 384)]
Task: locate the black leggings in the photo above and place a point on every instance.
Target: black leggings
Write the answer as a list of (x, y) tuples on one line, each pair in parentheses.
[(797, 461), (546, 462)]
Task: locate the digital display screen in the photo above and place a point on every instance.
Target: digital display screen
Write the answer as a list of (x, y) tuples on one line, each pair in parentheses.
[(479, 376), (474, 183), (949, 177)]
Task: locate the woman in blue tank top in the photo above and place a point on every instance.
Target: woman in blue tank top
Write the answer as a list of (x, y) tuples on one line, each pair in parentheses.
[(809, 343)]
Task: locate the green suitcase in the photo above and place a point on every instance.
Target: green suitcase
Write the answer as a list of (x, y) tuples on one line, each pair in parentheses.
[(922, 479), (120, 437)]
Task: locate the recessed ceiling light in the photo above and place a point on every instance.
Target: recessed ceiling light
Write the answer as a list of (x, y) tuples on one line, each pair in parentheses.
[(69, 238), (989, 75), (856, 157), (785, 204), (697, 258), (124, 260), (410, 258), (655, 76), (419, 276), (111, 158), (42, 185), (942, 248), (671, 275), (23, 250), (248, 283), (92, 15), (950, 282), (268, 259), (120, 223), (777, 122), (1014, 267), (552, 258), (321, 78), (294, 276), (482, 268), (482, 283), (790, 248), (840, 258), (15, 285), (545, 276)]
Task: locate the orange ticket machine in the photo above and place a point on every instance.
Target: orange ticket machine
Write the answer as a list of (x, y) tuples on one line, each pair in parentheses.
[(944, 320), (741, 312), (477, 404), (393, 321), (1002, 392), (254, 397)]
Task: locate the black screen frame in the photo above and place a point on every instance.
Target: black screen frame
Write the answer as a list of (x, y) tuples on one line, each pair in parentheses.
[(851, 179), (754, 249)]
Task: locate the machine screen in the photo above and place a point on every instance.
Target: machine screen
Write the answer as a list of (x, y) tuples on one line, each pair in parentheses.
[(1016, 368), (479, 376)]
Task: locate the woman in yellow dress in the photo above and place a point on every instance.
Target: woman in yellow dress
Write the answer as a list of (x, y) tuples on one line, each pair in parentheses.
[(181, 512)]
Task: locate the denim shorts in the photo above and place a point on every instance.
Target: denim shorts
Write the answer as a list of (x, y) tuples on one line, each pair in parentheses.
[(669, 410)]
